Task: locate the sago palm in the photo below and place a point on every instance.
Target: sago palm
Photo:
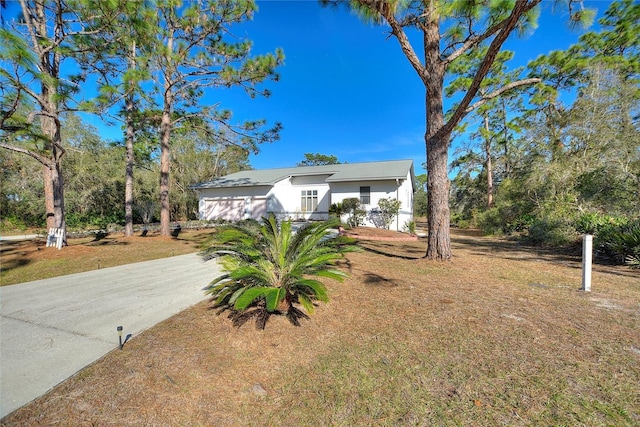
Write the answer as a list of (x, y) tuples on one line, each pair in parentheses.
[(268, 268)]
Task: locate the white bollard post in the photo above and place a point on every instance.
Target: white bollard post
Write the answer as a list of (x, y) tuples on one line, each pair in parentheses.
[(587, 249)]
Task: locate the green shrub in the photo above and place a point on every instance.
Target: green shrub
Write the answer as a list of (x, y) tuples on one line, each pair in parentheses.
[(504, 219), (336, 210), (491, 222), (409, 227), (521, 223), (593, 222), (552, 232), (620, 243), (389, 209), (11, 223), (356, 214)]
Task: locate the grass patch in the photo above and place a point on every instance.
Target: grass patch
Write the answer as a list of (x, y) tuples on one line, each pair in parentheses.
[(498, 336), (23, 261)]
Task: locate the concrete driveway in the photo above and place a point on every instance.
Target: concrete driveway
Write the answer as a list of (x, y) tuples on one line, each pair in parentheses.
[(50, 329)]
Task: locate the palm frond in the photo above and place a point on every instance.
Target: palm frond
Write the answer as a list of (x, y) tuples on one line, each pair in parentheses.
[(249, 296), (215, 281), (273, 297), (332, 274), (318, 290), (306, 303)]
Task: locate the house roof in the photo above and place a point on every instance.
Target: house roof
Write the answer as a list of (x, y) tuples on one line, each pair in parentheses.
[(371, 171)]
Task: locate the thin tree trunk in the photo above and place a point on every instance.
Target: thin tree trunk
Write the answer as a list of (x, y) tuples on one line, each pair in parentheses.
[(128, 186), (487, 152), (48, 196), (165, 155), (507, 161)]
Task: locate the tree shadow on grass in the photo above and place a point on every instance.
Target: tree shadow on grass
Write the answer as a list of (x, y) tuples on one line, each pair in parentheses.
[(393, 250), (13, 256), (515, 250), (99, 235), (377, 280), (106, 243), (13, 263), (8, 247), (201, 239)]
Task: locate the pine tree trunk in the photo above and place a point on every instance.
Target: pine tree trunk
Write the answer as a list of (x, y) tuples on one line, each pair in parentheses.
[(165, 155), (507, 161), (438, 246), (48, 196), (54, 183), (129, 155), (437, 144), (58, 198), (50, 119), (165, 158), (128, 186)]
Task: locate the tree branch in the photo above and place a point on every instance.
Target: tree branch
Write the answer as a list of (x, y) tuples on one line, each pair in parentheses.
[(11, 111), (496, 93), (473, 41), (405, 45), (387, 12), (520, 8), (42, 159)]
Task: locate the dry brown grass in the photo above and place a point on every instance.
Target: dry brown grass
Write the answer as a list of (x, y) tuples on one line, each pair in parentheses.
[(500, 335), (23, 261)]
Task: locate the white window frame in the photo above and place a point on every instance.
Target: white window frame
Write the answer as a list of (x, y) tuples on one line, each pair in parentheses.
[(308, 198)]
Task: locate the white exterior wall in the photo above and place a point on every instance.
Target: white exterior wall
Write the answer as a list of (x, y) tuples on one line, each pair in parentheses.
[(379, 190), (233, 203), (287, 195), (284, 199)]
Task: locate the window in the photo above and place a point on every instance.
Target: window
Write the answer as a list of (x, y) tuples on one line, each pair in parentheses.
[(309, 200), (365, 195)]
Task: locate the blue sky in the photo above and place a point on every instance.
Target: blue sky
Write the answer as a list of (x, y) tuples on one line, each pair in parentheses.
[(346, 89)]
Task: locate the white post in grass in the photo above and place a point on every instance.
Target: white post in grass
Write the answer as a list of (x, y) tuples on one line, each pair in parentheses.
[(587, 249)]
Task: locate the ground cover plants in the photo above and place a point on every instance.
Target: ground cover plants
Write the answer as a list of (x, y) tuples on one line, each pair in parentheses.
[(500, 335)]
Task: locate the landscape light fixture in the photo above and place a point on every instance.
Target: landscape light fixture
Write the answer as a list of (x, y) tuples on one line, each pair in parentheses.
[(120, 336)]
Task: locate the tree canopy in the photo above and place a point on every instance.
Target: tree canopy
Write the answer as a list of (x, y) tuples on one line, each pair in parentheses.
[(153, 63), (317, 159), (449, 30)]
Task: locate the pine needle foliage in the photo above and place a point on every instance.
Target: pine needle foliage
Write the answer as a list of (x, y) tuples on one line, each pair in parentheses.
[(268, 268)]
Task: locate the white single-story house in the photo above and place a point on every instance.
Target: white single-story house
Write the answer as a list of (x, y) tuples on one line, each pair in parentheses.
[(307, 192)]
